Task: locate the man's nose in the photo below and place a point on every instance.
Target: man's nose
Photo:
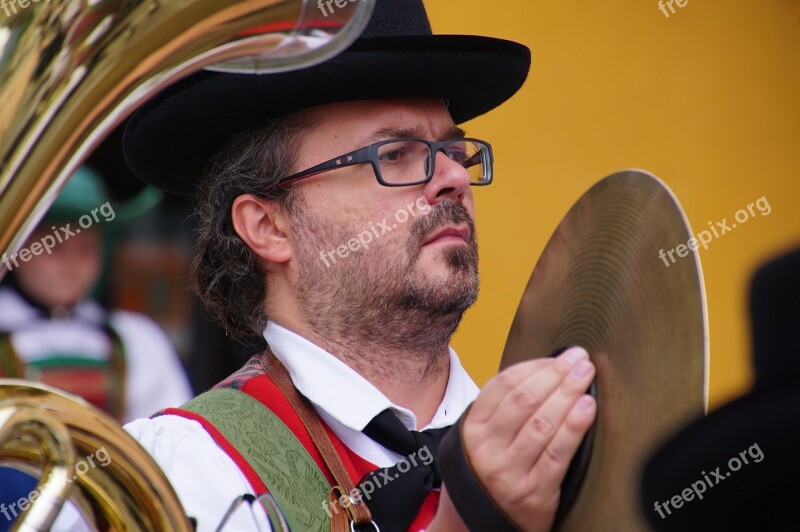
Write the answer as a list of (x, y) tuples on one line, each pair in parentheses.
[(450, 180)]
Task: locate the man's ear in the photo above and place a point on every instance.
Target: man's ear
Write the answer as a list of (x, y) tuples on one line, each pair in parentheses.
[(264, 227)]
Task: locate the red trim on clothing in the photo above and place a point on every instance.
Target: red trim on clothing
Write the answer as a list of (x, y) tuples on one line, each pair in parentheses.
[(246, 469), (426, 512), (264, 390), (355, 465)]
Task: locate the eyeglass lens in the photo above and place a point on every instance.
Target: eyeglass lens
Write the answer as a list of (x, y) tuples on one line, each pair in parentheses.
[(407, 161)]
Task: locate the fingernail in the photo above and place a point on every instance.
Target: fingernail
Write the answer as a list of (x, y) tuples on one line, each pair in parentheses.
[(574, 355), (586, 402), (582, 369)]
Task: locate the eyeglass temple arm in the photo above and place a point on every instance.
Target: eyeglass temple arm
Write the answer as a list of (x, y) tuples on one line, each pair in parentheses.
[(476, 158), (348, 159)]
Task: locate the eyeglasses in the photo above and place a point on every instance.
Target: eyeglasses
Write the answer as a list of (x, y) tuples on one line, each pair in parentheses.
[(406, 162)]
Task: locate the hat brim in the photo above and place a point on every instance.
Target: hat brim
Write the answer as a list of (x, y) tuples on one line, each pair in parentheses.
[(752, 495), (170, 140)]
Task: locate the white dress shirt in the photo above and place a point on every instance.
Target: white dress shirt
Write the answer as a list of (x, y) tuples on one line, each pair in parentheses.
[(207, 480)]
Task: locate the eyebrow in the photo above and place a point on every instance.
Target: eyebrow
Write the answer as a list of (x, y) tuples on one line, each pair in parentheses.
[(454, 132)]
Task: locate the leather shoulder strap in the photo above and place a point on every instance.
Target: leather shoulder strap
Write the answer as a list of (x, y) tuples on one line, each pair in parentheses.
[(270, 448), (354, 506)]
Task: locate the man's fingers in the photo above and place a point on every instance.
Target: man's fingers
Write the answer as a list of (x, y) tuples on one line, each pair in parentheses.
[(526, 399), (516, 380), (493, 393), (493, 432), (537, 432), (524, 428), (554, 461)]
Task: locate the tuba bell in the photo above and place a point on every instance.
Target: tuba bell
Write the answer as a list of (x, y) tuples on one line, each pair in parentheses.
[(70, 72)]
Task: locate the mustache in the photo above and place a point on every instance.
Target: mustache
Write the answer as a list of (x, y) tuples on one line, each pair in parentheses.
[(441, 215)]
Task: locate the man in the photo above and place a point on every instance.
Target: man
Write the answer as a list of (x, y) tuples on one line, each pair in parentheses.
[(337, 218)]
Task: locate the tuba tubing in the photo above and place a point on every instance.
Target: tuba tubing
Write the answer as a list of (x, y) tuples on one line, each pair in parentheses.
[(70, 72), (50, 429), (19, 420)]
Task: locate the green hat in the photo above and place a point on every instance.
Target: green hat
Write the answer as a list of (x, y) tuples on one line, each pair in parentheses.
[(85, 191)]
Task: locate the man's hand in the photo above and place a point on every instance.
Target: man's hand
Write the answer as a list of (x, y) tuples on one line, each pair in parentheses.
[(521, 433)]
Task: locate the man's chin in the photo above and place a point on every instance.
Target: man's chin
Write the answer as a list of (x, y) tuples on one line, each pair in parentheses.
[(450, 304), (441, 290)]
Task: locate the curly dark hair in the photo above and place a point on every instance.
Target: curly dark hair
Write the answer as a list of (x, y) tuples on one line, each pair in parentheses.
[(226, 274)]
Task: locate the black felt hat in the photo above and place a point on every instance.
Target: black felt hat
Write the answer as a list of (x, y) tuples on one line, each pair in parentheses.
[(738, 468), (169, 141)]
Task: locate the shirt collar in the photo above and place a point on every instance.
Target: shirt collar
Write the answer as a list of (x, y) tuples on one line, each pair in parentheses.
[(348, 397), (19, 312)]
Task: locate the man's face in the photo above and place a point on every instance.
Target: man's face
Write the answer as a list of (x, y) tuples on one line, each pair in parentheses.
[(363, 249)]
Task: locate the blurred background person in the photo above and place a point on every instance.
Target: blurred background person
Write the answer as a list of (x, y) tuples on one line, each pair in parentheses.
[(53, 331), (61, 321)]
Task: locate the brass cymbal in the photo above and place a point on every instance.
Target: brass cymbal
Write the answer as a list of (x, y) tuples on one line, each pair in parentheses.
[(600, 283)]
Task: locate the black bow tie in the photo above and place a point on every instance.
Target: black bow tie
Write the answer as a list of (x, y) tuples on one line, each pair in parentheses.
[(395, 494)]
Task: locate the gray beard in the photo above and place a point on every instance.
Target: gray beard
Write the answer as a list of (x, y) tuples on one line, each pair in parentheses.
[(377, 300)]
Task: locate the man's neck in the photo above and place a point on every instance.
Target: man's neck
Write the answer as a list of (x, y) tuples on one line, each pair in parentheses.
[(409, 375)]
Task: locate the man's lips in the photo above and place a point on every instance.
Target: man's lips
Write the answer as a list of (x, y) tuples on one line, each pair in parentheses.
[(448, 234)]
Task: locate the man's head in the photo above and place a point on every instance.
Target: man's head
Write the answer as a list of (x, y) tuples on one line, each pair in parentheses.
[(339, 243)]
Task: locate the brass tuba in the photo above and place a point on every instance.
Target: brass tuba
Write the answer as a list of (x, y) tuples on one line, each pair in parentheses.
[(117, 484), (70, 72)]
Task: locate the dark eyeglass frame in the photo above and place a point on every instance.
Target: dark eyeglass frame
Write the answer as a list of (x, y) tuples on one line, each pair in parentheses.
[(369, 154)]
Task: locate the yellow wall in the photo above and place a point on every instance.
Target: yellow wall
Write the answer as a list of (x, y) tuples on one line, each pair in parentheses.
[(707, 99)]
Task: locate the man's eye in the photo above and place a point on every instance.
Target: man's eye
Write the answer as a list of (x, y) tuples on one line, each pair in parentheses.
[(458, 155), (393, 155)]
